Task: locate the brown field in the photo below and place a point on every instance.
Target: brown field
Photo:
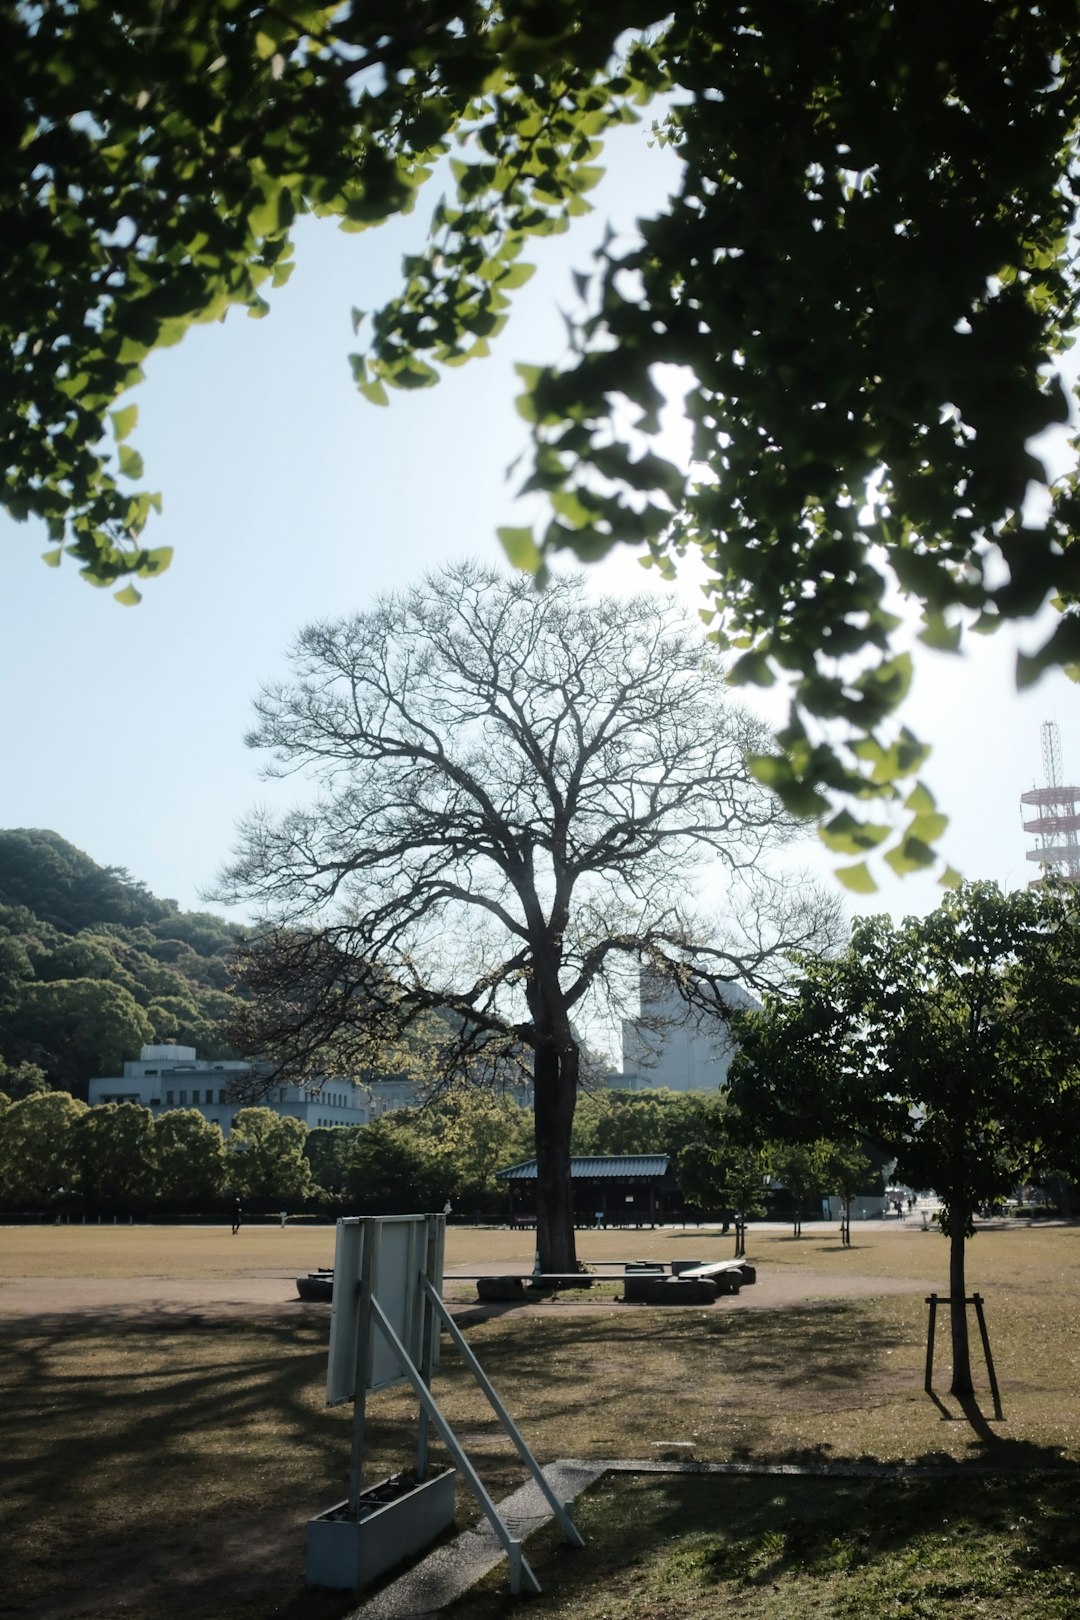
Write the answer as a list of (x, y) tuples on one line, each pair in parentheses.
[(165, 1436)]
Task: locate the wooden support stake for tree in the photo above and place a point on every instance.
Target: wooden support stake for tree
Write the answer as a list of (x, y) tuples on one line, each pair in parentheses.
[(933, 1300), (976, 1300), (928, 1381)]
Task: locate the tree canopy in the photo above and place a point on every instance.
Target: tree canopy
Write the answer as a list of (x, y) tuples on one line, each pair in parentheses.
[(864, 276), (517, 795), (952, 1040)]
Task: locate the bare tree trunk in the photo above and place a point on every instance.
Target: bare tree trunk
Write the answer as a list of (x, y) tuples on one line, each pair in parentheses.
[(555, 1097), (961, 1352)]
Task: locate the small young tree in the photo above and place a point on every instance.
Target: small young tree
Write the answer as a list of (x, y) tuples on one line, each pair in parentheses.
[(845, 1169), (720, 1170), (952, 1040), (799, 1167), (519, 792)]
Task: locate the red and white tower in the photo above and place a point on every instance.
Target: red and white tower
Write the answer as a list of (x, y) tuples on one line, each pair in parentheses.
[(1057, 822)]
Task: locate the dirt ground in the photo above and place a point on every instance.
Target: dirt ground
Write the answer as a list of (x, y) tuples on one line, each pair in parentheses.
[(50, 1273)]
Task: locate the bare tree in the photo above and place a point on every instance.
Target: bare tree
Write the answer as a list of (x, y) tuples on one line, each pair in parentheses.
[(520, 791)]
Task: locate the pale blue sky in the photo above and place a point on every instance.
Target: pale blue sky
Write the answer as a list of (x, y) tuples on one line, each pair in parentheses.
[(288, 498)]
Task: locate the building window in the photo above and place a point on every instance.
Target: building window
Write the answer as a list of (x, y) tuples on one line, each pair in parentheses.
[(169, 1099), (221, 1096), (183, 1099)]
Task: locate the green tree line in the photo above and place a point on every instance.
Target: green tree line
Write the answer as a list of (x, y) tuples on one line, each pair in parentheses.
[(57, 1153)]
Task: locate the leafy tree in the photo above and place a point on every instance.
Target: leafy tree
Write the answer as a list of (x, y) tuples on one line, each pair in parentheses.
[(800, 1167), (39, 1157), (862, 270), (117, 1162), (328, 1148), (190, 1156), (21, 1080), (720, 1171), (471, 1134), (517, 791), (265, 1154), (16, 971), (952, 1040), (76, 1028), (847, 1170), (393, 1170)]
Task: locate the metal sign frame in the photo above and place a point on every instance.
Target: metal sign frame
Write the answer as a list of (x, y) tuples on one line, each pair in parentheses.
[(385, 1256), (385, 1329)]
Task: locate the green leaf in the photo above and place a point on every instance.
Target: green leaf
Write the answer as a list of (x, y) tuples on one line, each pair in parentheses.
[(521, 549), (943, 637), (857, 878), (52, 558), (131, 463), (920, 800), (910, 855), (123, 421), (846, 835), (128, 597), (515, 275), (752, 669)]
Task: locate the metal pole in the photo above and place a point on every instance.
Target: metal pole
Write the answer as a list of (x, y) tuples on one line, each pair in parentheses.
[(570, 1530), (928, 1382), (519, 1568), (364, 1347), (429, 1329)]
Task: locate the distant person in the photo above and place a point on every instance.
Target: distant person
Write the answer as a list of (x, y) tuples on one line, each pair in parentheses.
[(236, 1213), (448, 1208)]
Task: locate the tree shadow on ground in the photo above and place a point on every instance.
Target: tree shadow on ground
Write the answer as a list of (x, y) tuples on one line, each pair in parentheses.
[(182, 1459)]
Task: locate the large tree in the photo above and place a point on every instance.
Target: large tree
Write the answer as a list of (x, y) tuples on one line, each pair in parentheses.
[(77, 1028), (864, 269), (39, 1148), (265, 1155), (952, 1040), (519, 792)]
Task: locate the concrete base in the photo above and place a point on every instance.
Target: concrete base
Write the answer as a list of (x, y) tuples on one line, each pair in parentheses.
[(348, 1554), (499, 1288), (646, 1289)]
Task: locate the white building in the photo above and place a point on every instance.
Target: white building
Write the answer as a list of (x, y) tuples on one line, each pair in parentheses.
[(169, 1076), (672, 1045)]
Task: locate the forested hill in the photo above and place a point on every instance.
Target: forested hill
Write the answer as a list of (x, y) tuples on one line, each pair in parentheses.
[(92, 966)]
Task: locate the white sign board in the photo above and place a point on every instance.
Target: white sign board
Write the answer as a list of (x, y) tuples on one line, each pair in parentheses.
[(396, 1249)]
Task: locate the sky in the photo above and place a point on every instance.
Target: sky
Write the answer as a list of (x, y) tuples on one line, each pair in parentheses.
[(290, 499)]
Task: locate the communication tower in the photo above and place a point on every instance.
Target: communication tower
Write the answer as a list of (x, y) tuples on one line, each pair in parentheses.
[(1056, 824)]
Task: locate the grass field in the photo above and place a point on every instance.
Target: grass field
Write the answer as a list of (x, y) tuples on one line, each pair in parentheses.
[(163, 1466)]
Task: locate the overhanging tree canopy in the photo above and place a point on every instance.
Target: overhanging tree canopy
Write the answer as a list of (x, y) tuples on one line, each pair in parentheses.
[(866, 273), (519, 792)]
